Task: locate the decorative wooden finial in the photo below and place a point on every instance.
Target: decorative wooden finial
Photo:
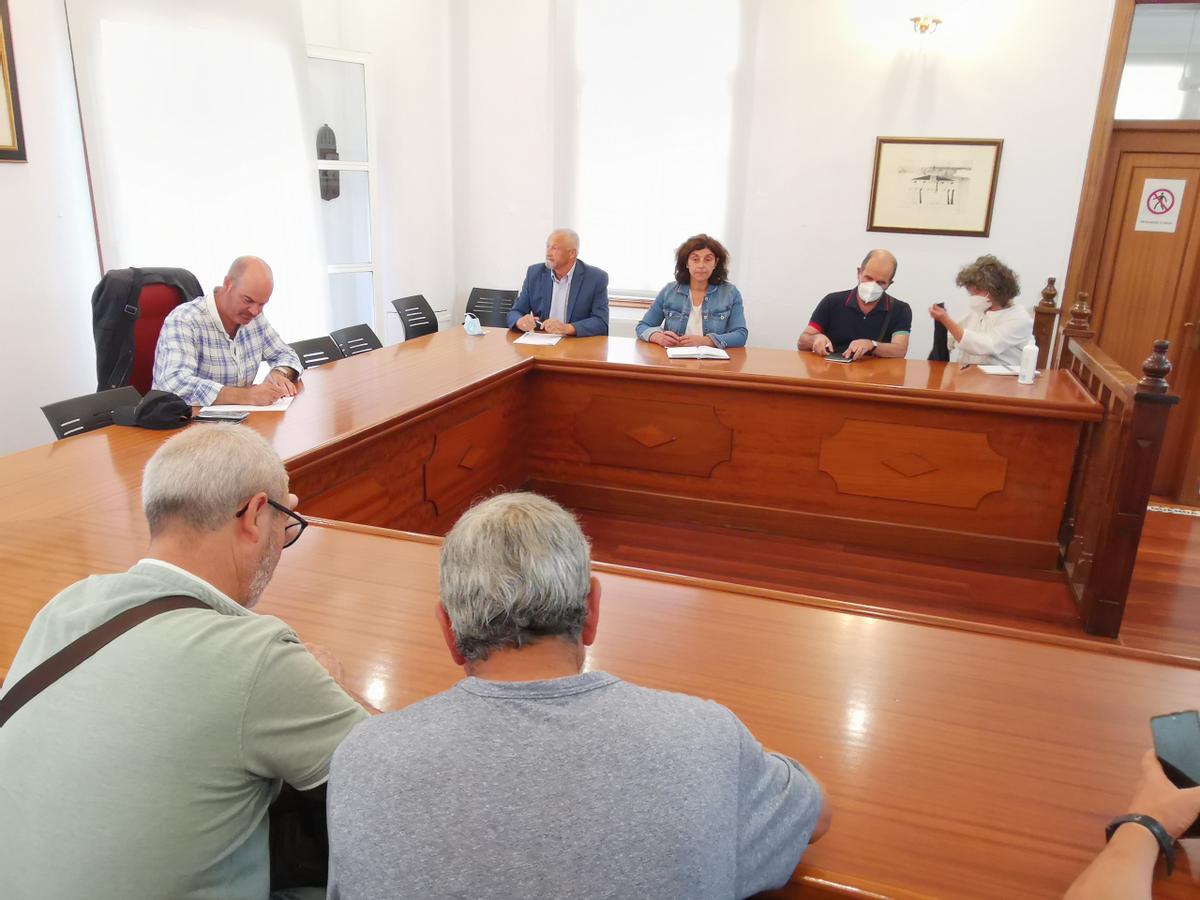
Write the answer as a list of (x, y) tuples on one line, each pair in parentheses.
[(1155, 369), (1049, 295), (1081, 314)]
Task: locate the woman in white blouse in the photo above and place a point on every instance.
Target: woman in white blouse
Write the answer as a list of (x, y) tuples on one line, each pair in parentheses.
[(996, 330)]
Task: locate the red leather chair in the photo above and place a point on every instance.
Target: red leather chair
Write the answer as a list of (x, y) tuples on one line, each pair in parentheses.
[(154, 305)]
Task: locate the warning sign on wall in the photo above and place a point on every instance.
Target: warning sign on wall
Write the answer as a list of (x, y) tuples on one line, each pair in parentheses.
[(1161, 200)]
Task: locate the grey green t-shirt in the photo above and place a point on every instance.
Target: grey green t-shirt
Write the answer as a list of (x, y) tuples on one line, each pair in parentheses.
[(578, 787), (146, 772)]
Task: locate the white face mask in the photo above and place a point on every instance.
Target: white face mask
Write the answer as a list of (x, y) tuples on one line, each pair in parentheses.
[(869, 291), (981, 303)]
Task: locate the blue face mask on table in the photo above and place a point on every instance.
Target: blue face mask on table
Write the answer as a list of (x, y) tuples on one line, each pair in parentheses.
[(471, 324)]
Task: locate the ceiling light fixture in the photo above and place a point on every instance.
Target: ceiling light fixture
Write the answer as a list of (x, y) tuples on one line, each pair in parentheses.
[(925, 24)]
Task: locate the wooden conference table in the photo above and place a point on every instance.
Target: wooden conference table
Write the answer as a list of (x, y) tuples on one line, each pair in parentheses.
[(959, 764)]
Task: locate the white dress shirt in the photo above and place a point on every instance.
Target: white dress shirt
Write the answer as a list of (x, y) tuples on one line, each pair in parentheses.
[(994, 337)]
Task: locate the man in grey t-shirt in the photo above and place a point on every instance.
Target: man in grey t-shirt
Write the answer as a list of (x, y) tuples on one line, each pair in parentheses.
[(531, 778)]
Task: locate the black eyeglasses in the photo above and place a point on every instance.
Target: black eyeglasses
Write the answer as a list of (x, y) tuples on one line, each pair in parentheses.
[(292, 530)]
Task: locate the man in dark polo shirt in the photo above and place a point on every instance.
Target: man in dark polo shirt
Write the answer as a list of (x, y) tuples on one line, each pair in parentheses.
[(863, 321)]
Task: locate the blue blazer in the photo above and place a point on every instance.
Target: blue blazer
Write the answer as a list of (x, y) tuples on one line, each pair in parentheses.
[(587, 303)]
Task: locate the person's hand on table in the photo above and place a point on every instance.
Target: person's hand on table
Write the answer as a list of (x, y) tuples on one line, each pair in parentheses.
[(266, 393), (554, 326), (665, 339), (695, 340), (858, 349), (282, 381), (821, 345), (527, 323)]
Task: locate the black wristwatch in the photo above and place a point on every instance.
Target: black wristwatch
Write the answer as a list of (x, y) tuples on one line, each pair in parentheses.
[(1166, 843)]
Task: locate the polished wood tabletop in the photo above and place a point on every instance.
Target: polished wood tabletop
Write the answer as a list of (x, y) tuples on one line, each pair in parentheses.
[(959, 764)]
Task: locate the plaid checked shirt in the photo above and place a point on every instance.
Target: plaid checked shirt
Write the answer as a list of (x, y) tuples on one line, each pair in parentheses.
[(195, 357)]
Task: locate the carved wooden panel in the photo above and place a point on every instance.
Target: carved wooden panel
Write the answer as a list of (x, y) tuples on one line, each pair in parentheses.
[(938, 466), (652, 435), (467, 459), (383, 479)]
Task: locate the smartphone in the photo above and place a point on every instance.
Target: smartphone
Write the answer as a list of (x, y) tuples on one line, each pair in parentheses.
[(213, 415), (1177, 745), (837, 357)]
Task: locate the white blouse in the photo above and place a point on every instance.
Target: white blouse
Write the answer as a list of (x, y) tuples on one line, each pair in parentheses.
[(695, 323), (994, 337)]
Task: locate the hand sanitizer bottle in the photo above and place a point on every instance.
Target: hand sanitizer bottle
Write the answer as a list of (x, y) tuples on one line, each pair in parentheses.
[(1028, 364)]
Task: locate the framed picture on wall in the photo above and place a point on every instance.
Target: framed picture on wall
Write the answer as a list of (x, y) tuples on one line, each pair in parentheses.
[(934, 185), (12, 137)]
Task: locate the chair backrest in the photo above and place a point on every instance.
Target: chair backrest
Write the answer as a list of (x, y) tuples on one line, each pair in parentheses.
[(416, 316), (491, 306), (155, 303), (89, 412), (356, 339), (316, 351)]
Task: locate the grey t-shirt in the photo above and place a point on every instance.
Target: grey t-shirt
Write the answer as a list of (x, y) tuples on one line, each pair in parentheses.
[(578, 787)]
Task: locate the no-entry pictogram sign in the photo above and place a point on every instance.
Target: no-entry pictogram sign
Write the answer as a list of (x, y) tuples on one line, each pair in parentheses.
[(1161, 201)]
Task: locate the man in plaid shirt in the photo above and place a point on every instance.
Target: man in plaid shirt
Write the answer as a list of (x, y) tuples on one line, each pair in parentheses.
[(209, 349)]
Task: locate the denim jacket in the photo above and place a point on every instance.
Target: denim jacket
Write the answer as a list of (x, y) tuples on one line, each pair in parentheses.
[(724, 320)]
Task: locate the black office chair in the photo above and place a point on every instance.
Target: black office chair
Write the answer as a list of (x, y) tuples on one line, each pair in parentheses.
[(316, 351), (89, 412), (416, 316), (355, 339), (491, 306)]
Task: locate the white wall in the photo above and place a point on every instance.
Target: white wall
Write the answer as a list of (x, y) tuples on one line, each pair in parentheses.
[(831, 76), (48, 262)]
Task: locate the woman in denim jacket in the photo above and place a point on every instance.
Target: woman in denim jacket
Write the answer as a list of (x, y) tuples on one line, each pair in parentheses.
[(699, 308)]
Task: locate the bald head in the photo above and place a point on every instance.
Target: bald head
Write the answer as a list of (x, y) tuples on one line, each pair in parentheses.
[(880, 264), (244, 292)]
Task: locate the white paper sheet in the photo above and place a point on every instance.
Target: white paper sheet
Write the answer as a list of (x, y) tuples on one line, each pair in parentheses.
[(278, 406), (696, 353), (538, 339)]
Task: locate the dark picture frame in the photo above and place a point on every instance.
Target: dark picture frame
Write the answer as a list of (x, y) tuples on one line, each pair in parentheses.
[(934, 185), (12, 134)]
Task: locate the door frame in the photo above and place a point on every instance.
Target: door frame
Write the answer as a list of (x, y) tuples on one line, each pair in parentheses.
[(1091, 221)]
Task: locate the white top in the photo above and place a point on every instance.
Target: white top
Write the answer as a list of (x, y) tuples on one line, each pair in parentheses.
[(695, 323), (994, 337)]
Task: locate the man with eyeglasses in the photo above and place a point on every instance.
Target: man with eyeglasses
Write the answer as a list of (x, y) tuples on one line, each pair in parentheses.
[(147, 770), (864, 321)]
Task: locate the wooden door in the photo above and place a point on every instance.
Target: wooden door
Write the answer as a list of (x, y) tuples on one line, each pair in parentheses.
[(1147, 283)]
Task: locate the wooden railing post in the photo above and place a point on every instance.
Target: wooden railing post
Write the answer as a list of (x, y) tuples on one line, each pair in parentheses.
[(1103, 600), (1079, 327), (1045, 322)]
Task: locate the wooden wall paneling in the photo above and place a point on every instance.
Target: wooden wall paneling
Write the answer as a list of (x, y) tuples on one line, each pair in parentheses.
[(382, 481), (469, 457), (654, 435), (775, 456), (939, 466), (807, 522)]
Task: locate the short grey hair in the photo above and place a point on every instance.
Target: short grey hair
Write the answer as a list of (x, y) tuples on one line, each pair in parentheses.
[(201, 477), (514, 569), (571, 236)]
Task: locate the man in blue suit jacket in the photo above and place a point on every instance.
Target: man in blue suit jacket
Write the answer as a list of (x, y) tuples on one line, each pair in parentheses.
[(564, 295)]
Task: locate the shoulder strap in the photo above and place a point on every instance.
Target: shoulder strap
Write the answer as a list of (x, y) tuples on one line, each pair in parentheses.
[(887, 320), (55, 667)]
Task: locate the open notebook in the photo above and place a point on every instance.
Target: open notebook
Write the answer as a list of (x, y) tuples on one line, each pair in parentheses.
[(696, 353)]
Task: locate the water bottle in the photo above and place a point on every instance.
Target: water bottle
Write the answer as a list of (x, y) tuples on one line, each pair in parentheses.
[(1028, 364)]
